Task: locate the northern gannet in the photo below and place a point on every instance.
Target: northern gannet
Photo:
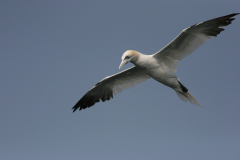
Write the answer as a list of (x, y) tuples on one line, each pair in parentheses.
[(160, 66)]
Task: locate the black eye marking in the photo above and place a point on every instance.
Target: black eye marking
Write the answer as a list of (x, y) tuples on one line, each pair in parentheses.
[(127, 57)]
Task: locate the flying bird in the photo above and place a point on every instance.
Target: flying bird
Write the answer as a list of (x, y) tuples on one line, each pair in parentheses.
[(160, 66)]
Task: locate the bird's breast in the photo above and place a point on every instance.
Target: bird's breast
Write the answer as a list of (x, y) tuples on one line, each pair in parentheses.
[(160, 73)]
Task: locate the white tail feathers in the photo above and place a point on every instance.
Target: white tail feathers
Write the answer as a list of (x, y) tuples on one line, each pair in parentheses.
[(186, 96)]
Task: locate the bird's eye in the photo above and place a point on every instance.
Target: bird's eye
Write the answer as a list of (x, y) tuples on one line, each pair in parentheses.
[(127, 57)]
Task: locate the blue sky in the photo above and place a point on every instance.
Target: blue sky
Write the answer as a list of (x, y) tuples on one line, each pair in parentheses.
[(53, 52)]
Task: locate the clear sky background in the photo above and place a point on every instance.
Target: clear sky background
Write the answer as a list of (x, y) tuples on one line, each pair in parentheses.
[(53, 52)]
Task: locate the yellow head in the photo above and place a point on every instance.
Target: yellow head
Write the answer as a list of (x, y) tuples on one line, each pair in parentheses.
[(128, 56)]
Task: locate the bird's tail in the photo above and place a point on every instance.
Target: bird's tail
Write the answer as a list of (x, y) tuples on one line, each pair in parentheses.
[(186, 96)]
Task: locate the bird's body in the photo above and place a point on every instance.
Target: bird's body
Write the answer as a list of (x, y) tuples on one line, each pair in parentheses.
[(160, 66), (155, 69)]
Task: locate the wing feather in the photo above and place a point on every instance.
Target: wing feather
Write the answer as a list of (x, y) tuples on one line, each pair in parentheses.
[(110, 86), (190, 39)]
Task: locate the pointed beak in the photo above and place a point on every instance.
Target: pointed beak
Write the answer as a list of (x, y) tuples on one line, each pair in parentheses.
[(125, 61)]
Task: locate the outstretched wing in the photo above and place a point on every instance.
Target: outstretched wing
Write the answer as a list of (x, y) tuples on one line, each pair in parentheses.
[(190, 39), (110, 86)]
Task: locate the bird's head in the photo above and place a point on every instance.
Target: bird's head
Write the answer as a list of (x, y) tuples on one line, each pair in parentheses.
[(128, 56)]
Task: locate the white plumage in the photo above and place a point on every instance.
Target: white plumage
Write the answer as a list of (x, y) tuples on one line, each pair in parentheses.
[(160, 66)]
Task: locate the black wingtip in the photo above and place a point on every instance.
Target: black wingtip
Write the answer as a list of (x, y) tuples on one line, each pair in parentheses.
[(90, 99), (214, 28), (74, 109), (234, 14), (229, 15)]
